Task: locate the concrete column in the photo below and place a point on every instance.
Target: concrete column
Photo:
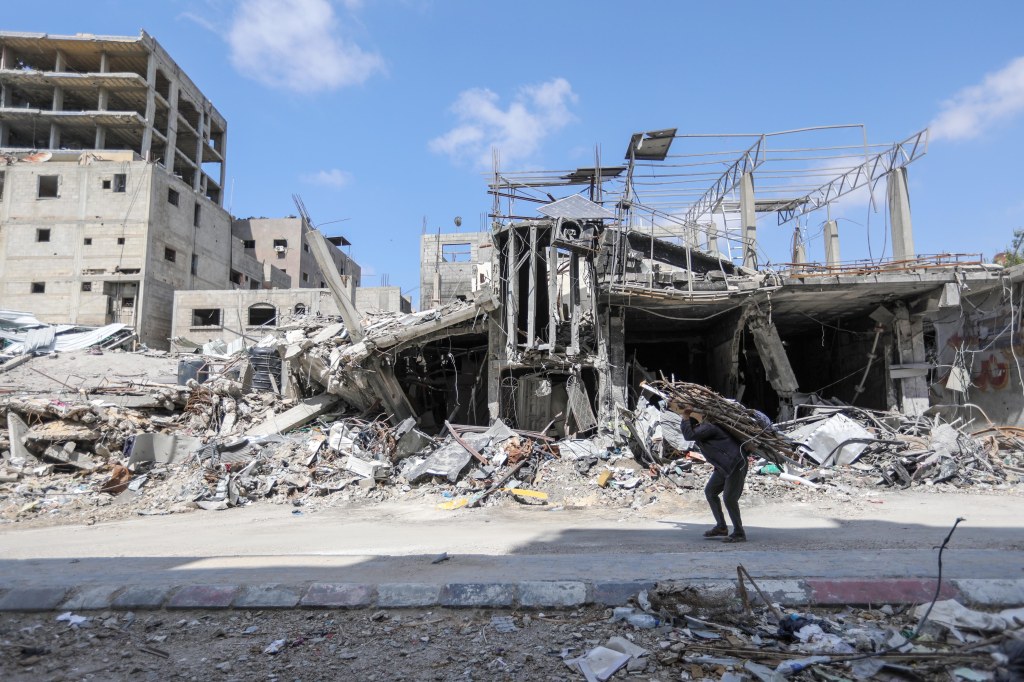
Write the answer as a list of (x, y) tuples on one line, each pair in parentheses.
[(748, 217), (172, 127), (799, 250), (5, 96), (147, 135), (512, 300), (199, 151), (58, 104), (223, 167), (910, 344), (831, 243), (102, 103), (776, 362), (494, 345), (711, 238), (899, 215)]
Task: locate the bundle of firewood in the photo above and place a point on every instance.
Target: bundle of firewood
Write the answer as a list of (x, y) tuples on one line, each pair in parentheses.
[(740, 422)]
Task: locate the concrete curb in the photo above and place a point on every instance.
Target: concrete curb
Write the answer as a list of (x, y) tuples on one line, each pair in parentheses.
[(563, 594)]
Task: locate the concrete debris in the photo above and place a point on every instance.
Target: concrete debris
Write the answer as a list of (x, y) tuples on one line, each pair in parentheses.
[(323, 431)]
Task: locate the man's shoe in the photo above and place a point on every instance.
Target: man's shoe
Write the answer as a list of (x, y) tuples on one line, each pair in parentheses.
[(716, 532), (736, 537)]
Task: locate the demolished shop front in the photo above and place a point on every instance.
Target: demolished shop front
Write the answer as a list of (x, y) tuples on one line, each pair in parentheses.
[(796, 344)]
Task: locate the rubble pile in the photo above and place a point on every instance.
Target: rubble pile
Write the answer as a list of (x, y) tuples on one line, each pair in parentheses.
[(707, 634), (322, 433), (689, 639)]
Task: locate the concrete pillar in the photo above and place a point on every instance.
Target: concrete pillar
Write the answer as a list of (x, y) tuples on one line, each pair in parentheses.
[(199, 151), (776, 362), (899, 215), (5, 96), (223, 166), (512, 300), (494, 345), (147, 135), (58, 104), (748, 216), (102, 103), (910, 345), (172, 127), (831, 243), (711, 237), (799, 250)]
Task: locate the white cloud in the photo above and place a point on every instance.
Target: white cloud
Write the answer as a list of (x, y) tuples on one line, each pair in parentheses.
[(334, 177), (295, 45), (998, 97), (535, 112)]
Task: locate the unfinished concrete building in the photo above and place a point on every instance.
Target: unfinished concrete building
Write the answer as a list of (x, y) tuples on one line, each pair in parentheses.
[(285, 243), (204, 316), (453, 266), (106, 92), (111, 168)]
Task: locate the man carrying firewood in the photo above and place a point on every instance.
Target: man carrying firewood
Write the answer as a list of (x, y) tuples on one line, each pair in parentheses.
[(725, 454)]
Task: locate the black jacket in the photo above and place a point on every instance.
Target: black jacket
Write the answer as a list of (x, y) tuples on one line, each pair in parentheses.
[(718, 447)]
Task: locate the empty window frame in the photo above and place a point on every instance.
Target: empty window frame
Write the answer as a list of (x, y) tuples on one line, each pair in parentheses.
[(206, 317), (248, 243), (120, 182), (3, 175), (106, 184), (282, 243), (196, 213), (170, 254), (172, 196), (237, 277), (305, 277), (262, 314), (461, 252), (43, 234), (128, 302), (195, 264), (87, 241), (254, 284), (300, 308), (49, 187), (120, 240), (86, 286), (305, 247), (38, 287)]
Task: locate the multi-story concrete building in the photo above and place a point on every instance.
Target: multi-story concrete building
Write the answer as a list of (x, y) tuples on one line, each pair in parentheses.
[(121, 210), (452, 266), (282, 241), (203, 316)]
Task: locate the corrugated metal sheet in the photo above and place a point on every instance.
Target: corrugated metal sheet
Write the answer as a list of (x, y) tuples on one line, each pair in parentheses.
[(49, 339)]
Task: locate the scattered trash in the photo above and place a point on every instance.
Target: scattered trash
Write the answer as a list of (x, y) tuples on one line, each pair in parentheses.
[(276, 646), (72, 620)]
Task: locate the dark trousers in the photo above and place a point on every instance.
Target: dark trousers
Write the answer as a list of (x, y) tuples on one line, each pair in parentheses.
[(730, 488)]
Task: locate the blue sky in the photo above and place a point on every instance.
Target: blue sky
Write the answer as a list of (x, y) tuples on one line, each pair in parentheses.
[(384, 111)]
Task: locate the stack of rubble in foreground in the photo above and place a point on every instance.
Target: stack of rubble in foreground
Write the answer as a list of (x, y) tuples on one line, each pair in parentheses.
[(328, 434)]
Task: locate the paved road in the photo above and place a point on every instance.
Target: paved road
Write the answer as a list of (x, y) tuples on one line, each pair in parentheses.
[(396, 542)]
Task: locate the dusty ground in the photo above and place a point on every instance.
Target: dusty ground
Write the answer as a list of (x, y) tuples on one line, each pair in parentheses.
[(393, 645)]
